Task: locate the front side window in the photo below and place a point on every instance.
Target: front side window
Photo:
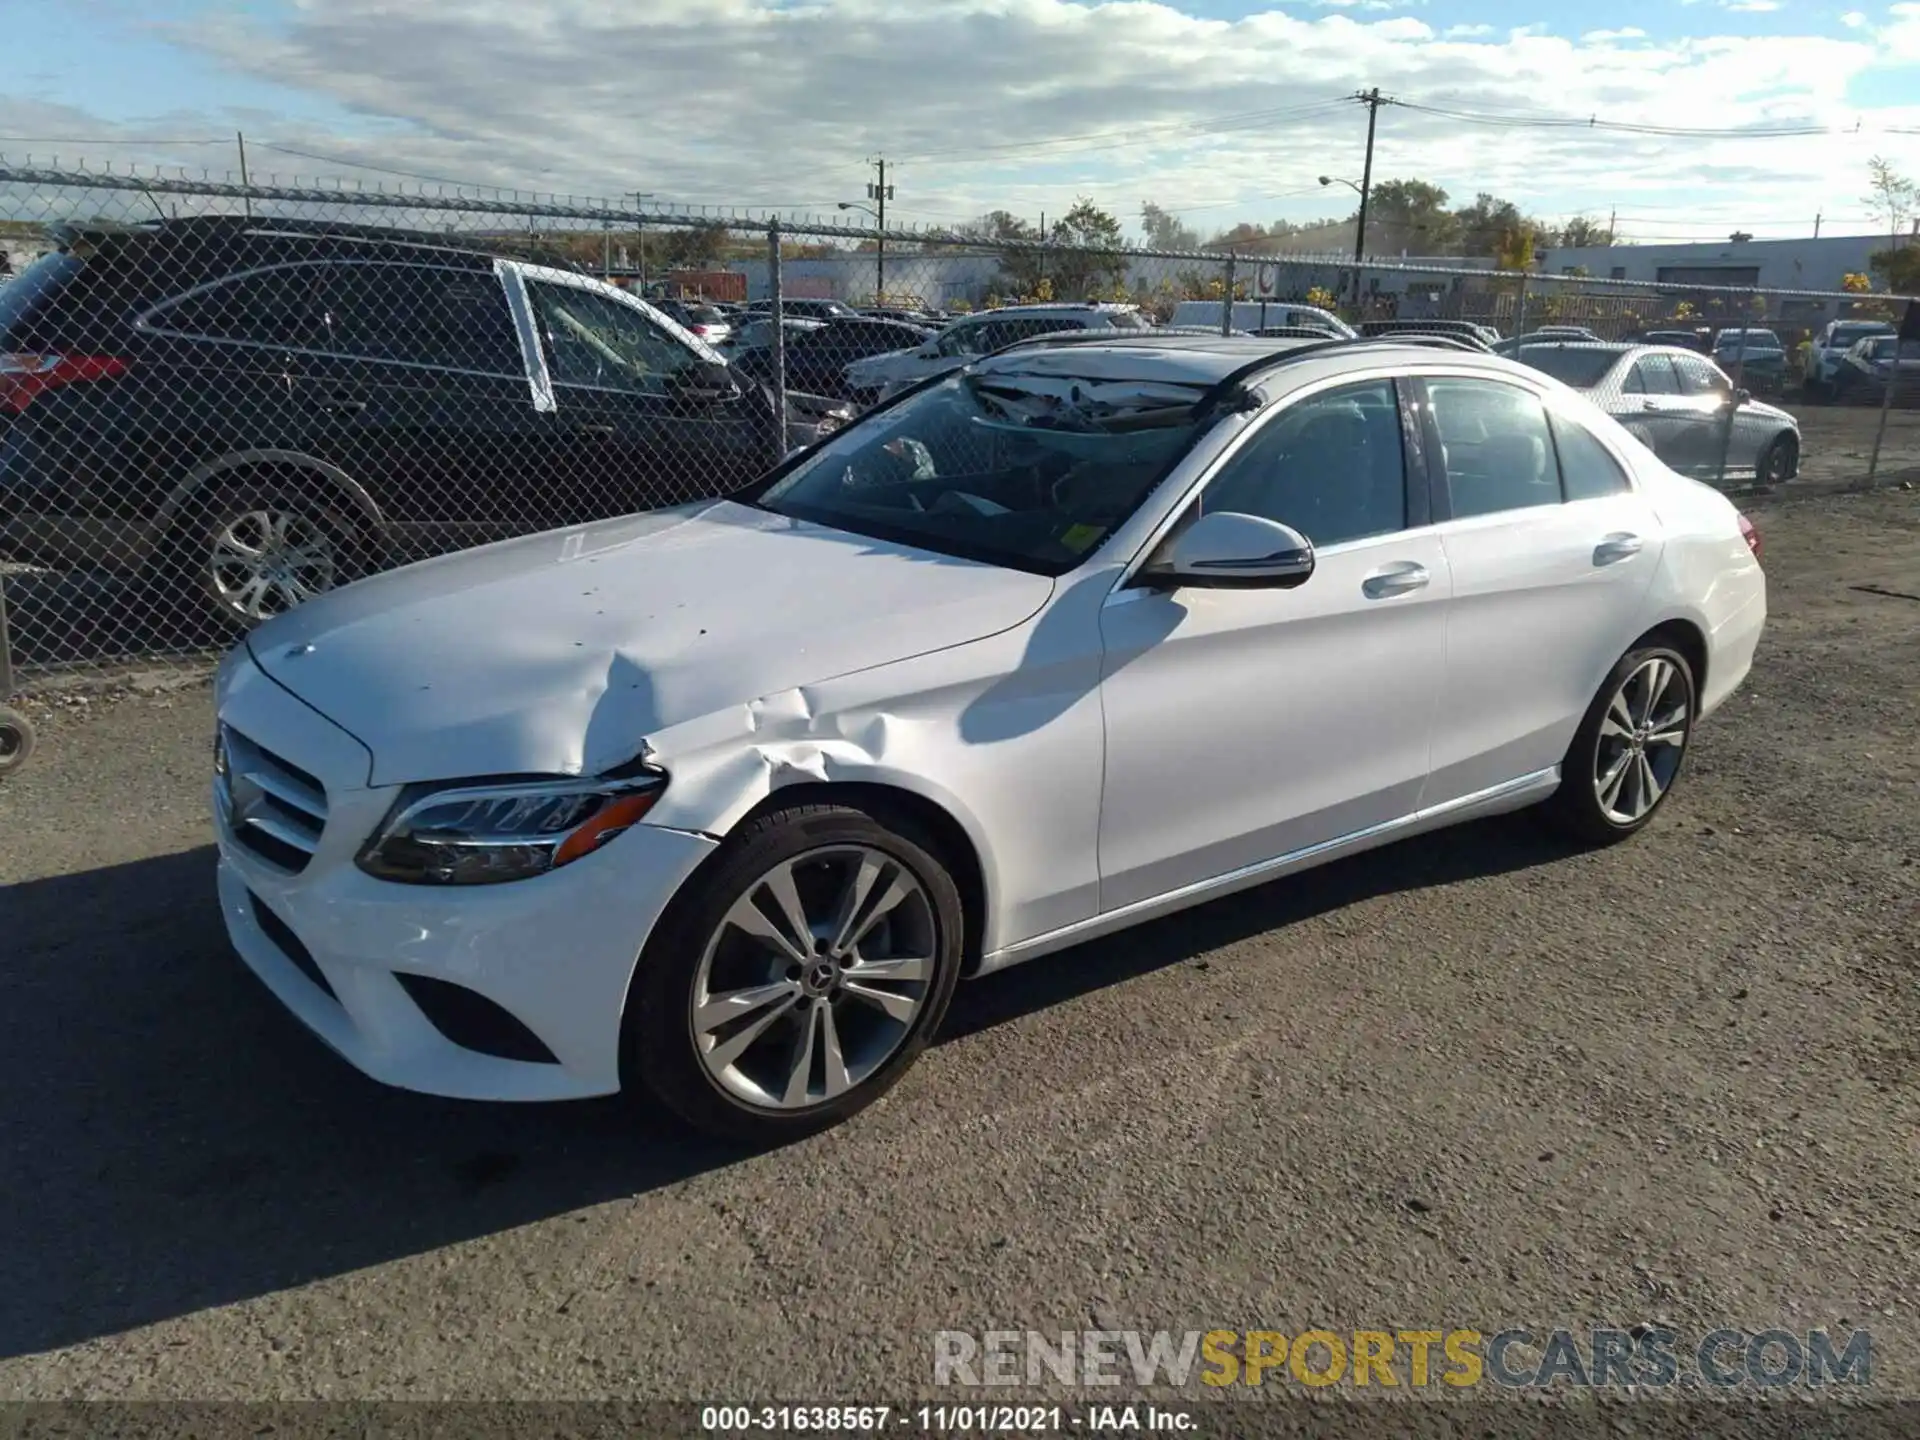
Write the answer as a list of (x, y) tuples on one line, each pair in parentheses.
[(1698, 377), (1028, 472), (595, 340), (1495, 445), (1333, 467), (961, 340)]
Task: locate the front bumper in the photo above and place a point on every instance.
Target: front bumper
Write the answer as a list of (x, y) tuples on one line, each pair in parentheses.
[(556, 953)]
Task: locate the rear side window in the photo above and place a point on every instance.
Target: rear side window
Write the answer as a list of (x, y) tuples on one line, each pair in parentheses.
[(1588, 470), (274, 307), (1495, 444), (420, 315)]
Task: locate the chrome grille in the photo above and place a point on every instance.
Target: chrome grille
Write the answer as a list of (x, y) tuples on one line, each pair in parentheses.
[(267, 803)]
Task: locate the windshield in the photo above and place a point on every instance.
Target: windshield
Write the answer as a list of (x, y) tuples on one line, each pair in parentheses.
[(1845, 335), (1582, 369), (1027, 471), (1756, 340)]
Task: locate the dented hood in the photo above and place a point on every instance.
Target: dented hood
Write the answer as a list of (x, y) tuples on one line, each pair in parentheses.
[(562, 653)]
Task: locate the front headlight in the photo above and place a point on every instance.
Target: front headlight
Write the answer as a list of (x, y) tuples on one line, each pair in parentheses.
[(484, 834)]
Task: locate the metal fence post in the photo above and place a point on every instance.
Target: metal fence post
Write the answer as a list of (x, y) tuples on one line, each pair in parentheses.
[(1733, 410), (1873, 461), (777, 349), (1520, 311), (1226, 300)]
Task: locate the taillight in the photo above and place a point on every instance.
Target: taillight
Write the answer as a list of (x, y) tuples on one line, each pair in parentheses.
[(25, 378), (1750, 535)]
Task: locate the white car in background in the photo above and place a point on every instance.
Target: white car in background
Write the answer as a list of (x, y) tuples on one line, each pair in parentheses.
[(718, 804), (1828, 348), (876, 377)]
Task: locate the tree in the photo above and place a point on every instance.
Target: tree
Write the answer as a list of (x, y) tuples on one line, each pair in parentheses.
[(1094, 264), (1890, 195), (1410, 215), (1899, 267), (1164, 231), (1514, 250), (1580, 233)]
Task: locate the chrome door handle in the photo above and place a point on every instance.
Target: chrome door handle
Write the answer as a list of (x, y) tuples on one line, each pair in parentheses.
[(1395, 580), (1616, 548), (1650, 405)]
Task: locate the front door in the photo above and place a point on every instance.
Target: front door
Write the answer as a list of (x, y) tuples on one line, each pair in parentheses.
[(1657, 414), (1244, 725), (631, 413)]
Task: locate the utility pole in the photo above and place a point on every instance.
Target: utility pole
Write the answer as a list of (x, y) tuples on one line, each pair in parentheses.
[(1816, 224), (640, 198), (247, 198), (1612, 216), (880, 194), (1371, 98), (1043, 242)]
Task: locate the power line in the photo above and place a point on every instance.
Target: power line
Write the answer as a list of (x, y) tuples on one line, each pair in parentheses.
[(1134, 135), (1594, 122)]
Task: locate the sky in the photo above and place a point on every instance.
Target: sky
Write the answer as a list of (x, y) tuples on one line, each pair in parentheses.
[(1217, 110)]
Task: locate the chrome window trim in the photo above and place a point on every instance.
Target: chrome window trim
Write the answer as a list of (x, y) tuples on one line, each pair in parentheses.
[(533, 355)]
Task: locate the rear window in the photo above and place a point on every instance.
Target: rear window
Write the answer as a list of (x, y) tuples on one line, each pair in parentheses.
[(1582, 369), (21, 296), (1843, 335)]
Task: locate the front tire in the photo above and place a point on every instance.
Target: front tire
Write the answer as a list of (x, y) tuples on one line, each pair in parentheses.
[(799, 977), (1628, 752)]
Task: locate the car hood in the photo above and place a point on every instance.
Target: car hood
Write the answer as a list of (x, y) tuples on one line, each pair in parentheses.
[(1769, 412), (565, 652)]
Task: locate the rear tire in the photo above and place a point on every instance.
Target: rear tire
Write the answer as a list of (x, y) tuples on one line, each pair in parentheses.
[(752, 1015), (16, 740), (1779, 462), (247, 552), (1629, 750)]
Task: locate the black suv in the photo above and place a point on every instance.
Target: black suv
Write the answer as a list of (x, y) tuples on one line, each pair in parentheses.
[(261, 409)]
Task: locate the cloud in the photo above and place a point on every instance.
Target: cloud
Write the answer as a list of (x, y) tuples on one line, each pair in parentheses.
[(1021, 104), (1608, 37), (1854, 20), (1753, 7), (1365, 4)]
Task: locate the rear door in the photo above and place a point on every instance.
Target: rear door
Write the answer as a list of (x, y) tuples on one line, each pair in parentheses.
[(1552, 550), (627, 418)]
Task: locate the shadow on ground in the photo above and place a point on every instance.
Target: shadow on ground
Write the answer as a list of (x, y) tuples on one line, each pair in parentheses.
[(173, 1140)]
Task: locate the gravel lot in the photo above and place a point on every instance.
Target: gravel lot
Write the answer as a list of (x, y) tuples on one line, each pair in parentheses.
[(1476, 1080)]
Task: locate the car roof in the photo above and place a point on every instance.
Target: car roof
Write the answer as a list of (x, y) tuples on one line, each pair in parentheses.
[(1201, 359)]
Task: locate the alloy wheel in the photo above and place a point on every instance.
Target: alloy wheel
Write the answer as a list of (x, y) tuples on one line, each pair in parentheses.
[(266, 561), (1643, 735), (814, 977)]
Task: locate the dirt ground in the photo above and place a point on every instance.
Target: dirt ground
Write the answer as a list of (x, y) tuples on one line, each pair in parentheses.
[(1475, 1080)]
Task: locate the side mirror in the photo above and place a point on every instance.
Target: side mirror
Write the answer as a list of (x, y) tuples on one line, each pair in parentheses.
[(706, 381), (1229, 551), (1742, 397)]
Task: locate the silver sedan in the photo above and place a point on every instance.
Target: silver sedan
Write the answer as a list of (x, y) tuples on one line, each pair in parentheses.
[(1681, 406)]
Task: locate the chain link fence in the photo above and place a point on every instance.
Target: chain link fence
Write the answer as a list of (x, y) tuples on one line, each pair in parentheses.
[(218, 400)]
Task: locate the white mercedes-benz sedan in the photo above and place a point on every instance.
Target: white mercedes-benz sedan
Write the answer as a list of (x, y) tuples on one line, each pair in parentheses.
[(717, 804)]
